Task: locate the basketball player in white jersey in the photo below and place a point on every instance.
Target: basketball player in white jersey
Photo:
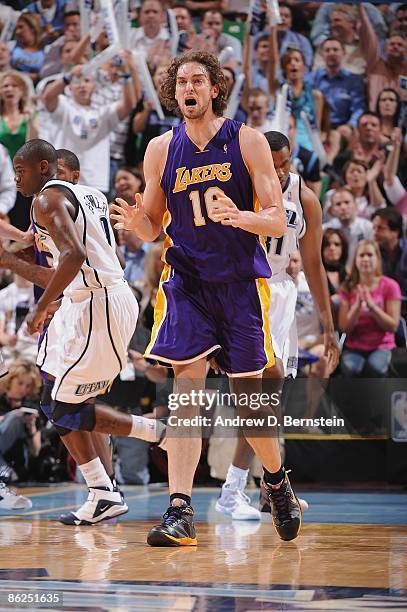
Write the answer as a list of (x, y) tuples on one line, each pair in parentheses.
[(304, 231), (91, 329)]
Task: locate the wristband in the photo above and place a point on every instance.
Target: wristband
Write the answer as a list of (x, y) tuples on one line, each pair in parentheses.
[(67, 78), (125, 78)]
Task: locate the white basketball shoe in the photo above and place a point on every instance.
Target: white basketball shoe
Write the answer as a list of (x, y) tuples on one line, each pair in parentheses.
[(101, 505), (235, 503), (11, 500)]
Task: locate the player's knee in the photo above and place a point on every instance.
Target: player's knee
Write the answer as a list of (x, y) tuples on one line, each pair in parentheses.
[(275, 372), (73, 417)]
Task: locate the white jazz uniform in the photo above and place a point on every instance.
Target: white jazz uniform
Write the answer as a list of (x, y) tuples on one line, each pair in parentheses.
[(282, 287), (85, 346)]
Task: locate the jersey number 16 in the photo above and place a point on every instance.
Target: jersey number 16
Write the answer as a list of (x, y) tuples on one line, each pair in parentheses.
[(210, 197)]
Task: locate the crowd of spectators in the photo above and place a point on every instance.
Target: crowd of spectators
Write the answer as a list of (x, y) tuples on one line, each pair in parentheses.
[(332, 76)]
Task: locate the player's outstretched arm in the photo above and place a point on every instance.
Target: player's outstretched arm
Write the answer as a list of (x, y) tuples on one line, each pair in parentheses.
[(9, 232), (145, 217), (271, 219), (310, 248), (54, 212), (29, 270)]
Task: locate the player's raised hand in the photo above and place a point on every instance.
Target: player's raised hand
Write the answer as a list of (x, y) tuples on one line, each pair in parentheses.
[(225, 211), (128, 217)]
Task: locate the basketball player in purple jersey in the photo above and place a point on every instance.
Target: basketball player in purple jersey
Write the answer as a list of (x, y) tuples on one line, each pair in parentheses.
[(211, 183)]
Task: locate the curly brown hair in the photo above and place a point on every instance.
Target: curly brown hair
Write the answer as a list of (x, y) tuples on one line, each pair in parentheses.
[(214, 70)]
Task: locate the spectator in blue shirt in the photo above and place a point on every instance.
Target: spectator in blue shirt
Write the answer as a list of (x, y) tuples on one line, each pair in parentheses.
[(260, 66), (289, 39), (134, 253), (343, 90), (304, 161), (400, 23), (27, 55), (321, 27), (388, 233), (51, 14)]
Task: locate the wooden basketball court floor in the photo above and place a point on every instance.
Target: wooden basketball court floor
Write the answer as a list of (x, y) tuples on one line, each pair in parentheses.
[(351, 555)]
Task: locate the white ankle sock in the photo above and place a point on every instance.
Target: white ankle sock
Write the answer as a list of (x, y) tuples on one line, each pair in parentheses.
[(143, 428), (236, 478), (95, 474)]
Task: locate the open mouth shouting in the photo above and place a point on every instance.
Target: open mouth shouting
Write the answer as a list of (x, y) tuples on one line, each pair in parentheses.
[(190, 101)]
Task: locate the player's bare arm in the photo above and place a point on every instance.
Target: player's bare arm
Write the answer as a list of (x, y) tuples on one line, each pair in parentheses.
[(25, 268), (54, 212), (271, 219), (310, 248), (9, 232), (145, 217)]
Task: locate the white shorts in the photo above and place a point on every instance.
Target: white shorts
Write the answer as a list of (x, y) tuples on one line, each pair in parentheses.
[(86, 343), (283, 326)]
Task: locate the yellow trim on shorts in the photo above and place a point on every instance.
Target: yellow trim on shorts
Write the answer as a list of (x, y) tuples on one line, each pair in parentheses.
[(167, 241), (160, 309), (263, 291)]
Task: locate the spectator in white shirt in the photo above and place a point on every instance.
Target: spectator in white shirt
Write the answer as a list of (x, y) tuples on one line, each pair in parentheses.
[(16, 300), (258, 108), (108, 91), (151, 37), (85, 129), (7, 185), (344, 210), (212, 32)]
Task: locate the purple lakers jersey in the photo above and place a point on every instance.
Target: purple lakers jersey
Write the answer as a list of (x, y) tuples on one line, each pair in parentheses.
[(192, 181), (43, 257)]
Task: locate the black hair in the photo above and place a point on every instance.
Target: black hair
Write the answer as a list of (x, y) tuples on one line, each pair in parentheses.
[(260, 39), (333, 39), (392, 217), (218, 11), (71, 14), (69, 158), (286, 5), (232, 72), (277, 141), (344, 244), (395, 33), (402, 7), (181, 5), (37, 150), (369, 113), (396, 115)]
